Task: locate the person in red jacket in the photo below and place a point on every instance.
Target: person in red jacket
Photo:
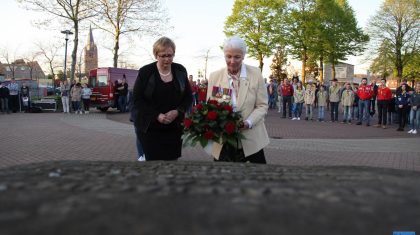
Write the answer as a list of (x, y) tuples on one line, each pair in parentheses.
[(287, 92), (365, 93), (383, 98)]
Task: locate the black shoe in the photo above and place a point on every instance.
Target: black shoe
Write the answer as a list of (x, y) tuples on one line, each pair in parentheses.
[(283, 117), (400, 129), (306, 119), (368, 124), (359, 123)]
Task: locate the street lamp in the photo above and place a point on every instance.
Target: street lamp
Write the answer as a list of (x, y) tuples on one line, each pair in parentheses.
[(67, 33)]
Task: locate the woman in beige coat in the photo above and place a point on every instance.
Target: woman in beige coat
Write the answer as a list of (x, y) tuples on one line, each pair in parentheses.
[(76, 97), (249, 96)]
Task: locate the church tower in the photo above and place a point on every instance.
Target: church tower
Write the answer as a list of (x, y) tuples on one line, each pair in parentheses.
[(91, 54)]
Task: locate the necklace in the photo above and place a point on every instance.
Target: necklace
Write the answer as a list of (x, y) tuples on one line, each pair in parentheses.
[(165, 75)]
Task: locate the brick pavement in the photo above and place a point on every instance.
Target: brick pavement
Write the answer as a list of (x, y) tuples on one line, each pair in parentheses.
[(55, 136)]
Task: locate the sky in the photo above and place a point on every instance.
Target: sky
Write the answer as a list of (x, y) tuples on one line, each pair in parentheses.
[(197, 27)]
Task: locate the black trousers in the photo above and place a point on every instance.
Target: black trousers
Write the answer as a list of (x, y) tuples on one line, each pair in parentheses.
[(14, 103), (382, 111), (287, 100), (257, 157), (402, 116)]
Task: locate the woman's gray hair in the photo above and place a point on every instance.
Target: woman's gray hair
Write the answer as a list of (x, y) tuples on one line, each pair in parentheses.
[(235, 42)]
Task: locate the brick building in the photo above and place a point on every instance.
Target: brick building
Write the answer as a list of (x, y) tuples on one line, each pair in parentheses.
[(90, 54)]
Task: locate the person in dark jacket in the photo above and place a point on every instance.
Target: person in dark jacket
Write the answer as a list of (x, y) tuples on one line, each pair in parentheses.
[(402, 103), (25, 97), (415, 110), (4, 98), (162, 95)]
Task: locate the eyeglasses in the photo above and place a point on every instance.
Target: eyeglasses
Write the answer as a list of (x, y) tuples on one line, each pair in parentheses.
[(236, 57), (169, 56)]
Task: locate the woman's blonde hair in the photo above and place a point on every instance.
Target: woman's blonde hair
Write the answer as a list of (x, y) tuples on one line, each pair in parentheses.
[(163, 43)]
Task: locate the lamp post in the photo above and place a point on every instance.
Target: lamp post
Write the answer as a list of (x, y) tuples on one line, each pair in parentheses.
[(67, 33)]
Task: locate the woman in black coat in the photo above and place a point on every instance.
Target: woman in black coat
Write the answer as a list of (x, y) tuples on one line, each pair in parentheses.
[(161, 95)]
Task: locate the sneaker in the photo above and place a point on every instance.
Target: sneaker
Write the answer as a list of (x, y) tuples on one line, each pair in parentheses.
[(383, 127), (377, 125), (410, 131), (414, 132), (294, 119), (142, 158), (298, 118)]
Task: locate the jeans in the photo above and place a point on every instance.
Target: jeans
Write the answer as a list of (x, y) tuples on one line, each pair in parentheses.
[(271, 102), (321, 113), (334, 111), (309, 111), (415, 118), (140, 151), (347, 114), (76, 106), (382, 111), (122, 103), (298, 110), (65, 101), (5, 105), (364, 107), (280, 103), (355, 112), (287, 100)]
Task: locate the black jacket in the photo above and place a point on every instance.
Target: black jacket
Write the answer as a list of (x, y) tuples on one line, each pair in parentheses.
[(4, 92), (143, 93)]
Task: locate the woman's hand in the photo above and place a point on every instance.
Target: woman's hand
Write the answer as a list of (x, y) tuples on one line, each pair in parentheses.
[(162, 118), (172, 115)]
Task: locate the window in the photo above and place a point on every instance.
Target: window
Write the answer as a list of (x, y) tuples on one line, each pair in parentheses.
[(102, 80)]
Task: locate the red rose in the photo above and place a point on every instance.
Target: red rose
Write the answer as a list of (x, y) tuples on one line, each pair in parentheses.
[(228, 108), (213, 102), (187, 122), (230, 127), (209, 135), (212, 115), (199, 106)]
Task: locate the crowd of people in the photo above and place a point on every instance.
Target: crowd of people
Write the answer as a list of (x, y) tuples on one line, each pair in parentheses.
[(358, 102), (79, 94)]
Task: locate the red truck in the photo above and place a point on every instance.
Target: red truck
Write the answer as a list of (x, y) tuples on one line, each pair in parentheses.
[(102, 81)]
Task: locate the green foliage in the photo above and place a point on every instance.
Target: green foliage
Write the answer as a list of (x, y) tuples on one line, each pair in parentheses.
[(259, 23), (398, 23)]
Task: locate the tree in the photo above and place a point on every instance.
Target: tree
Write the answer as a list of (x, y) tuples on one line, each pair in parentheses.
[(398, 22), (71, 12), (337, 34), (49, 51), (259, 23), (129, 17), (278, 67), (382, 64), (300, 29)]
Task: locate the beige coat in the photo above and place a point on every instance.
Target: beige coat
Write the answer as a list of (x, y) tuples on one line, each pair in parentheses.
[(252, 103), (310, 96), (76, 93), (322, 98), (334, 94), (299, 96), (347, 98)]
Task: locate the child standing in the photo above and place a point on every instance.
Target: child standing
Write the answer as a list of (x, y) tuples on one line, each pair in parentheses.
[(309, 101), (322, 102), (347, 100)]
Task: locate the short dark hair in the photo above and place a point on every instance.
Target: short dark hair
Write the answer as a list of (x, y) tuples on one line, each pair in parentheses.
[(364, 79), (383, 79)]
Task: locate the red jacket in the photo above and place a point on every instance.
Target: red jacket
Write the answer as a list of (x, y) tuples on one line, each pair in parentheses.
[(287, 90), (384, 93), (365, 92)]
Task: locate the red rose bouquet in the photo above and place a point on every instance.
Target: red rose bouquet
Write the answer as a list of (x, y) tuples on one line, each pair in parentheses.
[(212, 121)]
